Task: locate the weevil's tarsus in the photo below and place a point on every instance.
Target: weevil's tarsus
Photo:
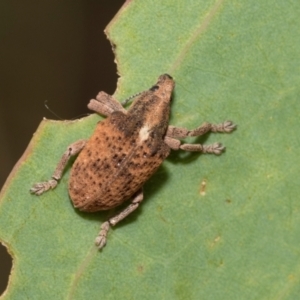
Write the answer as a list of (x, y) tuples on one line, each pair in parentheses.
[(180, 132), (225, 127), (215, 148), (101, 238), (41, 187), (100, 241), (73, 149), (175, 144)]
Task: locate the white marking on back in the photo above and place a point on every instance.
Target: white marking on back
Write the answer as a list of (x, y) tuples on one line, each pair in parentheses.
[(144, 133)]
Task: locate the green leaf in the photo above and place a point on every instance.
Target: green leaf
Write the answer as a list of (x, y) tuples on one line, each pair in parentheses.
[(238, 234)]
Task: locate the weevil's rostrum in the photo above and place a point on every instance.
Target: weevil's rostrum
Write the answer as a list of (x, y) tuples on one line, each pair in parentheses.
[(124, 151)]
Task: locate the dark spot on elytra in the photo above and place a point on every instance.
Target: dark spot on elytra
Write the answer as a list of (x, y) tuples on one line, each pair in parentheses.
[(148, 173), (128, 185), (134, 185), (127, 189), (161, 156), (131, 164)]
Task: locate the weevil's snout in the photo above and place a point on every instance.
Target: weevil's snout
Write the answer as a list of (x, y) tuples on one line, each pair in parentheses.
[(164, 77), (165, 82), (167, 75)]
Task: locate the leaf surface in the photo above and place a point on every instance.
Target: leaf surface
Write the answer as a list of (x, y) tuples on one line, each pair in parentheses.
[(209, 227)]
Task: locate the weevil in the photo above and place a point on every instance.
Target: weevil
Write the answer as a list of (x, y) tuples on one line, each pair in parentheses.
[(124, 151)]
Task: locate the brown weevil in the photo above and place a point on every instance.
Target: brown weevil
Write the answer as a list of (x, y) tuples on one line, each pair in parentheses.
[(124, 151)]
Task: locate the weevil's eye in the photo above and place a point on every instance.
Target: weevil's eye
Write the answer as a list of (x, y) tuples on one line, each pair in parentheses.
[(154, 88)]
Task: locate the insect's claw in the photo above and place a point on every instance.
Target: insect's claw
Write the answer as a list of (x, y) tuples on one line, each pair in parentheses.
[(41, 187), (229, 126), (100, 241)]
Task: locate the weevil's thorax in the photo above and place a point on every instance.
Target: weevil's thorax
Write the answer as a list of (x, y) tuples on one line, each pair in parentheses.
[(151, 110)]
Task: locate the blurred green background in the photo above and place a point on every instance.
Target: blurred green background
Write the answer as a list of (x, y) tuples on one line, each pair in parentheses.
[(54, 51)]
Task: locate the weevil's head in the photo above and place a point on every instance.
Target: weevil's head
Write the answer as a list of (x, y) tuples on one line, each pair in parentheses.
[(157, 96), (151, 109), (164, 87), (166, 78)]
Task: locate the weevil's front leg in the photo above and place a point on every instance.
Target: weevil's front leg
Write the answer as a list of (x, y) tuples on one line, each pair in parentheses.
[(73, 149), (105, 104), (174, 144), (101, 238), (178, 132)]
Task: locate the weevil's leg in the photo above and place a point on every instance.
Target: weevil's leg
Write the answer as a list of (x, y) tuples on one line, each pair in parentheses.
[(174, 144), (105, 104), (101, 238), (177, 132), (41, 187)]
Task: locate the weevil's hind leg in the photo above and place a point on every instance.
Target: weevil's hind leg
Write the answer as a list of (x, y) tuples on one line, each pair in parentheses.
[(101, 238), (105, 104), (178, 132), (174, 144), (73, 149)]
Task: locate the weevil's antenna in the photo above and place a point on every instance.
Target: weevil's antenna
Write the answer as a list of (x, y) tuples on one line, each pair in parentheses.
[(61, 119), (56, 115), (125, 102)]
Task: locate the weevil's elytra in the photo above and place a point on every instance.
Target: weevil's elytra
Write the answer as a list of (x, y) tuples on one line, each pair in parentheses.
[(124, 151)]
